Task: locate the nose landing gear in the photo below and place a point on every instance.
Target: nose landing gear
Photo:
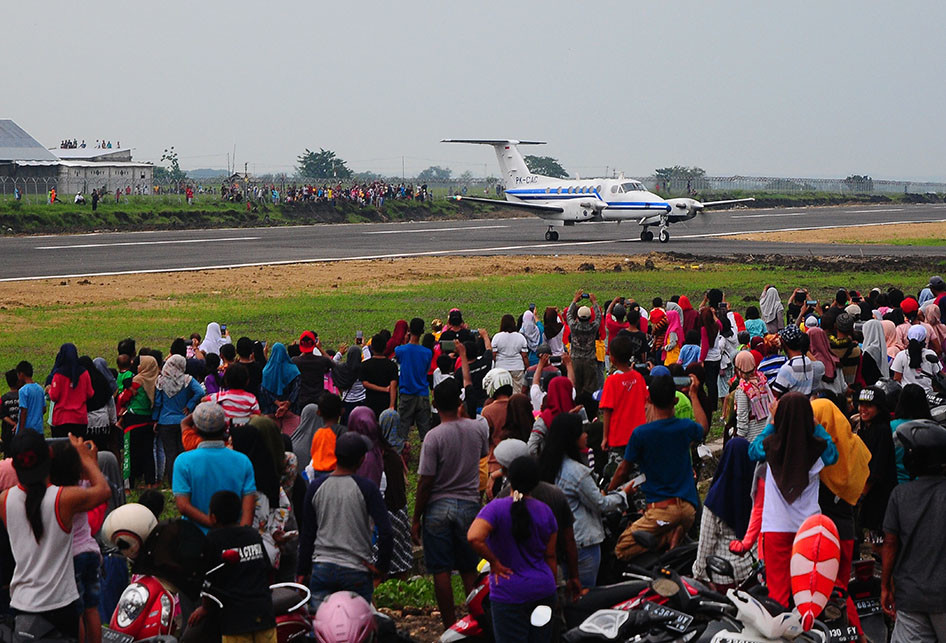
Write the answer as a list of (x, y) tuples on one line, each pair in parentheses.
[(551, 234), (664, 235)]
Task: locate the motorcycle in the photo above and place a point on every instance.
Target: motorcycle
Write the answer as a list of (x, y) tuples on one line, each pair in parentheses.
[(148, 610), (864, 589)]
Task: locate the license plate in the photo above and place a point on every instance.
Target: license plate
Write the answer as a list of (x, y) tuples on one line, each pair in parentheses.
[(114, 636), (867, 606), (679, 622)]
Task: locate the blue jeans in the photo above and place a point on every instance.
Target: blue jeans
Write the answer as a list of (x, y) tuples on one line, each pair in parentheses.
[(328, 578), (589, 560), (446, 548), (511, 622)]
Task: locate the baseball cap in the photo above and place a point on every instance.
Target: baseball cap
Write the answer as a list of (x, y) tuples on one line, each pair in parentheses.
[(30, 456), (509, 450), (937, 283), (659, 371), (351, 446), (584, 313), (853, 310), (909, 305), (209, 418), (307, 342)]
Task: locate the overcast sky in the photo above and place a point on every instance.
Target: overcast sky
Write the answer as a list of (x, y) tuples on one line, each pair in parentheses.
[(802, 88)]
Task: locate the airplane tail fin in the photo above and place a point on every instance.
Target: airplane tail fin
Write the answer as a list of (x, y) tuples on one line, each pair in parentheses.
[(511, 163)]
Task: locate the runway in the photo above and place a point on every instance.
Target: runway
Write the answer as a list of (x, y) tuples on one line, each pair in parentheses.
[(95, 254)]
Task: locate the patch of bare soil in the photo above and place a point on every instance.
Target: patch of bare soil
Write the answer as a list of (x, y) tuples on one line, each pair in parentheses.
[(854, 235), (153, 290), (423, 625)]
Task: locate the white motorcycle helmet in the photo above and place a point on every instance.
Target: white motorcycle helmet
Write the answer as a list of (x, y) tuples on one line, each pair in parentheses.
[(128, 526)]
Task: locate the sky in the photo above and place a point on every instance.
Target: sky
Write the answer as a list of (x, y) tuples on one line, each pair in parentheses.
[(800, 89)]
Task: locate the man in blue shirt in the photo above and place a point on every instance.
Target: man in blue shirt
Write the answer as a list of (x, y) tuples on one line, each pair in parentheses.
[(661, 448), (414, 403), (210, 468), (32, 399)]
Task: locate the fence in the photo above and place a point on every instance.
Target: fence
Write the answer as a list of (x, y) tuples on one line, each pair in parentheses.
[(35, 189)]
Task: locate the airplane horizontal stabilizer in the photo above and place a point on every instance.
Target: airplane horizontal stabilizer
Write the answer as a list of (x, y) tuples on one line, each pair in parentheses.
[(491, 141)]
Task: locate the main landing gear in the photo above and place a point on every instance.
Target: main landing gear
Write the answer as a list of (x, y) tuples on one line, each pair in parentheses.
[(663, 235), (551, 234)]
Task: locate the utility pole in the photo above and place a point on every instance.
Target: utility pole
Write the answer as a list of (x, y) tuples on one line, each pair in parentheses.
[(403, 175)]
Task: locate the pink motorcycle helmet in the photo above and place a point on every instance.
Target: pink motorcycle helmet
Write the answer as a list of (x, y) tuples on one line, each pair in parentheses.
[(344, 617)]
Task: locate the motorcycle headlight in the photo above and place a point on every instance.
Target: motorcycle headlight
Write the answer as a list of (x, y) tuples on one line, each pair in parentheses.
[(166, 612), (130, 605)]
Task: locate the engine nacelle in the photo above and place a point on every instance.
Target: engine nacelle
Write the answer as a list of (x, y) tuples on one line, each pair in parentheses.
[(582, 209), (685, 205)]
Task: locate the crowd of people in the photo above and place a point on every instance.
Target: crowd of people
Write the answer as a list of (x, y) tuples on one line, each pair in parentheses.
[(373, 193), (74, 144), (529, 437)]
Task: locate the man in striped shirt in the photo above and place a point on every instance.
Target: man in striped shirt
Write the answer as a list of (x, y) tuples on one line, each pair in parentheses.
[(239, 405)]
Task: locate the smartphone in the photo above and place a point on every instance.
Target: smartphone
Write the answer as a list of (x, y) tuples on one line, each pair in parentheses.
[(585, 295), (359, 337), (555, 359), (811, 302), (263, 343), (291, 534), (223, 328), (723, 306), (448, 345), (639, 480), (680, 382)]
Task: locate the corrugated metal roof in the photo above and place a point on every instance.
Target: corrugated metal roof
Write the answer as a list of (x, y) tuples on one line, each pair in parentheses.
[(96, 164), (17, 145)]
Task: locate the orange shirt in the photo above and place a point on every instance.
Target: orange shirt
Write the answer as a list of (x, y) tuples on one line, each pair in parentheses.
[(625, 394), (323, 450)]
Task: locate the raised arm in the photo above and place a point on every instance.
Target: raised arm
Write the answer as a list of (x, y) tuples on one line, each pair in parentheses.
[(75, 500)]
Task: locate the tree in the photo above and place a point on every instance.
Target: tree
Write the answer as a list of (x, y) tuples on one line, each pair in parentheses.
[(859, 183), (172, 174), (546, 166), (322, 165), (466, 177), (679, 172), (435, 174)]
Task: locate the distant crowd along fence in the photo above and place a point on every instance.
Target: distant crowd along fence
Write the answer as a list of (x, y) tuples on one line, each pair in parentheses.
[(36, 189)]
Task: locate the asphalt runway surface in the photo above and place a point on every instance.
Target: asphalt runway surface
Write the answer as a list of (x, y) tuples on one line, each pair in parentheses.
[(110, 253)]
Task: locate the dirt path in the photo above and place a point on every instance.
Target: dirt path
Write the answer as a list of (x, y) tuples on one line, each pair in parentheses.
[(874, 234)]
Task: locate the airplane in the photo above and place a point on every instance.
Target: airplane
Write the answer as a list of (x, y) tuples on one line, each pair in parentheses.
[(565, 202)]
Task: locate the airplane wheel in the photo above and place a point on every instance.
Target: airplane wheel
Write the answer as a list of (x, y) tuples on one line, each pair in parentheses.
[(647, 235), (554, 236), (548, 235), (664, 236)]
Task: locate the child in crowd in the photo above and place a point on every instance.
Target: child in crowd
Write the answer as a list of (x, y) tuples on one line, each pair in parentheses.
[(241, 586), (623, 397), (323, 440), (124, 372), (690, 352), (66, 471), (31, 398), (10, 408)]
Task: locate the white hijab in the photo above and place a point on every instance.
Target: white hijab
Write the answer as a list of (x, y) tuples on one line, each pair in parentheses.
[(530, 330), (876, 346), (771, 305), (213, 339)]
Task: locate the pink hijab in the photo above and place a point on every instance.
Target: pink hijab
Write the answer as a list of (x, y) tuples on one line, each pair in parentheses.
[(821, 349), (674, 325), (890, 337), (937, 329)]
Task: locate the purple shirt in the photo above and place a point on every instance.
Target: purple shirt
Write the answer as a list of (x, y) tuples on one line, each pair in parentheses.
[(532, 578)]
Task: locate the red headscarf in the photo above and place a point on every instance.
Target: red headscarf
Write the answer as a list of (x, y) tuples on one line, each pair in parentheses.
[(690, 316), (397, 338), (558, 399)]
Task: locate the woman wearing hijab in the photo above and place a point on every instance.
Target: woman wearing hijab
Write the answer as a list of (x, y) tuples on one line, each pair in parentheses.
[(710, 355), (363, 422), (872, 425), (138, 400), (100, 407), (820, 348), (395, 493), (70, 388), (259, 440), (842, 484), (726, 511), (795, 450), (519, 418), (773, 312), (752, 399), (690, 318), (279, 389), (177, 395), (673, 339), (875, 364), (347, 377), (309, 423), (937, 330), (560, 398), (917, 364), (530, 330), (890, 338), (554, 331), (214, 339), (398, 337)]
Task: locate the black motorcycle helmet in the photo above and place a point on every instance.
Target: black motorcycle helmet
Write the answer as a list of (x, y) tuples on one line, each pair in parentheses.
[(891, 389), (924, 447)]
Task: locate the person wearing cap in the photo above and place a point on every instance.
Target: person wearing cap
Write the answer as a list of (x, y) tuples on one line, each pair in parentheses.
[(917, 364), (844, 346), (800, 373), (211, 467), (506, 453), (34, 513), (313, 367), (938, 288), (584, 332), (335, 541)]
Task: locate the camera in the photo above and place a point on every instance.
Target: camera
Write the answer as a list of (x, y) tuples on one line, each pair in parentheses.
[(448, 346), (555, 359)]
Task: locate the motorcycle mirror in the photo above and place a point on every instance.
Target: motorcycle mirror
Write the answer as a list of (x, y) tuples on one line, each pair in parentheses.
[(541, 616), (720, 566)]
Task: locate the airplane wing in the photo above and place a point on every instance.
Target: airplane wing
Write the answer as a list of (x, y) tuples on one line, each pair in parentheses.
[(709, 204), (534, 207)]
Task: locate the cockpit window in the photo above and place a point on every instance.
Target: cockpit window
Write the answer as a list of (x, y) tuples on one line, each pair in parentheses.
[(632, 186)]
